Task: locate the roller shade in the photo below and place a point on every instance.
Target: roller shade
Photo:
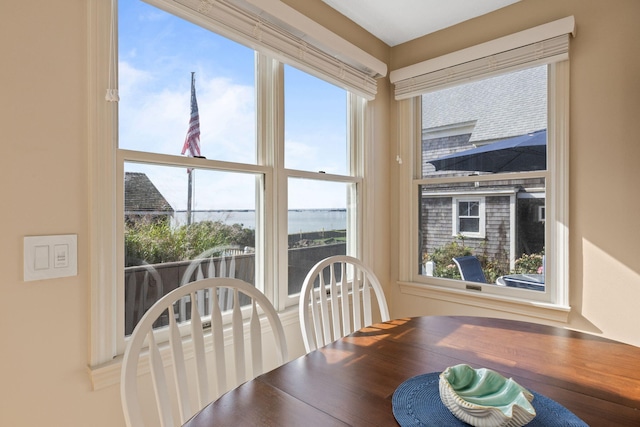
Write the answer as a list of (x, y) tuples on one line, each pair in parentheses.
[(275, 32), (540, 45)]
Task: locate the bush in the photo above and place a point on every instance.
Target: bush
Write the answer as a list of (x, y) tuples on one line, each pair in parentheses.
[(158, 242), (445, 267), (443, 256), (529, 264)]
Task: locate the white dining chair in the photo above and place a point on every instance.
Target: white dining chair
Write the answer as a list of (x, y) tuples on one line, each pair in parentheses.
[(196, 352), (219, 261), (336, 300)]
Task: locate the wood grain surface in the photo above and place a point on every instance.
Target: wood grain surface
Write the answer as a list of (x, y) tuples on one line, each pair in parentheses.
[(351, 381)]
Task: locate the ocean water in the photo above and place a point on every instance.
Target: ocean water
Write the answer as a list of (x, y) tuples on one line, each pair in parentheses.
[(300, 221)]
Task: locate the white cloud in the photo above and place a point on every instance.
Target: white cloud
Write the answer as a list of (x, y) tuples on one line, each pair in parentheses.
[(155, 118)]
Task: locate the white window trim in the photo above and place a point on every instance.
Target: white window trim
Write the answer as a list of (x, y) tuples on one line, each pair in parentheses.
[(107, 303), (102, 198), (553, 304), (455, 217)]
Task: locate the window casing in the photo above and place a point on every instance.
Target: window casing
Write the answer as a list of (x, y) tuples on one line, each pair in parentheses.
[(108, 164), (468, 217), (415, 274)]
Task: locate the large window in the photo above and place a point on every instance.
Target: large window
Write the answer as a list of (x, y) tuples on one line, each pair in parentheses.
[(321, 186), (487, 145), (216, 209), (494, 220), (217, 159)]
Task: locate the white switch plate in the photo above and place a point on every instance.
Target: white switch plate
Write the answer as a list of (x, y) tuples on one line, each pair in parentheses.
[(49, 257)]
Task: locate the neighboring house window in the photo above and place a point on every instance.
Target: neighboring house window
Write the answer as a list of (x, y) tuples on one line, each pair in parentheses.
[(274, 180), (490, 155), (468, 217)]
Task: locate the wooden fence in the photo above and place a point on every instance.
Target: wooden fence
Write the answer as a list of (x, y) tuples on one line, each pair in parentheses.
[(145, 284)]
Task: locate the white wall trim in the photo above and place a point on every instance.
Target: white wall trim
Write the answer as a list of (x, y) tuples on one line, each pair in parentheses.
[(102, 197), (528, 308)]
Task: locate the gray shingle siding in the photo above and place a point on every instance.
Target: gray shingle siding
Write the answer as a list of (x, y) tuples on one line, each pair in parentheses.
[(462, 117)]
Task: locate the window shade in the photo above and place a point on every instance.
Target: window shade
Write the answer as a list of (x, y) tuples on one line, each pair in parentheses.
[(246, 24), (540, 45)]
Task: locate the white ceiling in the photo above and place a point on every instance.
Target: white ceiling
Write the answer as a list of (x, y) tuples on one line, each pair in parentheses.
[(398, 21)]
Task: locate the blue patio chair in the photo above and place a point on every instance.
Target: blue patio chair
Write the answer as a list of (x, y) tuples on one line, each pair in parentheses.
[(470, 269)]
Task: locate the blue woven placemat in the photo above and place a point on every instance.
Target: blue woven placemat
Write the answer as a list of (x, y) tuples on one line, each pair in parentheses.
[(417, 403)]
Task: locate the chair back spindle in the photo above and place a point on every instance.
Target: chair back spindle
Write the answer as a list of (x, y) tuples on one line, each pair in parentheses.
[(336, 299), (187, 354)]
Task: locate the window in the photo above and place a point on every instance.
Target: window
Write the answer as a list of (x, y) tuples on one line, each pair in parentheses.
[(275, 192), (321, 186), (468, 217), (508, 137), (217, 203), (487, 154)]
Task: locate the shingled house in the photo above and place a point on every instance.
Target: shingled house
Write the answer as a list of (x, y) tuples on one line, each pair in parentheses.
[(505, 217), (143, 201)]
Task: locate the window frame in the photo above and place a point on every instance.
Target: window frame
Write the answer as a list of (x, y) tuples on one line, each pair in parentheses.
[(456, 217), (553, 304), (106, 187)]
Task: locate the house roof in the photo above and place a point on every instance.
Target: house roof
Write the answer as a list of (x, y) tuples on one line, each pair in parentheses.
[(140, 195), (501, 107)]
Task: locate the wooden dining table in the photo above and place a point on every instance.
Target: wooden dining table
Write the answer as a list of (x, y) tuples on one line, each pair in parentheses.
[(352, 381)]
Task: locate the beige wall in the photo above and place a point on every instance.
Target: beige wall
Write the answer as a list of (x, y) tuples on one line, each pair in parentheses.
[(604, 176), (43, 116), (43, 169)]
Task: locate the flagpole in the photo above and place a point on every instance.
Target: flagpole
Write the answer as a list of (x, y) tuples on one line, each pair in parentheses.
[(190, 171), (189, 195), (192, 144)]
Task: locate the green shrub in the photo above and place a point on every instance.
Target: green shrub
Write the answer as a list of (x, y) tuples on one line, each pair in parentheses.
[(443, 256), (158, 242), (445, 267), (529, 264)]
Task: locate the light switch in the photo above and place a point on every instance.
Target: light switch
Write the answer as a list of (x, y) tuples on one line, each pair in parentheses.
[(48, 257), (41, 257)]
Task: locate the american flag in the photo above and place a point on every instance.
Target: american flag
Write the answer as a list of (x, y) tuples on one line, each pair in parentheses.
[(192, 141)]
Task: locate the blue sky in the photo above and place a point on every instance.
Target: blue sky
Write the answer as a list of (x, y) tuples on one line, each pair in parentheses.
[(158, 52)]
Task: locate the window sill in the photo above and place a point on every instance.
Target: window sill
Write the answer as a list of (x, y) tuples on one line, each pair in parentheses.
[(541, 310), (108, 374)]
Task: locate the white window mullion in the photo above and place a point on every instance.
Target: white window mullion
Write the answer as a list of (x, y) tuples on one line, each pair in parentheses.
[(360, 216), (270, 108)]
